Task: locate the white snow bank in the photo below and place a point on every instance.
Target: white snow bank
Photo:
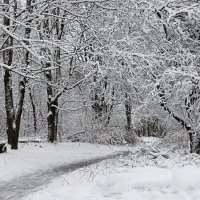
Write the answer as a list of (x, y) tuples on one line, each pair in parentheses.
[(136, 178), (140, 183), (187, 177), (32, 157)]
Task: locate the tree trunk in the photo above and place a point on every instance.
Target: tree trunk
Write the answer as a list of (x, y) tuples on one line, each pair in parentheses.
[(22, 86), (52, 105), (34, 111), (194, 139), (110, 108), (129, 137), (13, 121), (52, 118), (27, 59), (128, 112), (52, 122), (7, 59)]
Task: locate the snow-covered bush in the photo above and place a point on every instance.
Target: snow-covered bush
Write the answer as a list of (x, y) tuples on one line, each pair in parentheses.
[(100, 135), (178, 138)]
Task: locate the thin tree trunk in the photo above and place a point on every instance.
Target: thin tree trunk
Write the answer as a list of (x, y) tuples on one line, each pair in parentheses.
[(129, 138), (128, 112), (22, 86), (34, 111)]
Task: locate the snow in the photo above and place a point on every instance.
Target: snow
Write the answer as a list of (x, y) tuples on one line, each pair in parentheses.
[(187, 177), (138, 176), (32, 157), (149, 183)]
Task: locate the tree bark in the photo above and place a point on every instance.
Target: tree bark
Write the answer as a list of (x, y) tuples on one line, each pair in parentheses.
[(52, 122), (34, 111), (53, 79), (194, 140), (9, 105), (13, 115), (22, 86), (52, 108), (128, 112), (10, 115)]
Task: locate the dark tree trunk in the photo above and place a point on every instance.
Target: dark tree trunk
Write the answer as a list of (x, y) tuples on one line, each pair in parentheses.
[(110, 108), (129, 137), (193, 137), (10, 116), (102, 110), (52, 118), (52, 122), (50, 91), (7, 59), (34, 111), (128, 112), (52, 105), (13, 120), (22, 86)]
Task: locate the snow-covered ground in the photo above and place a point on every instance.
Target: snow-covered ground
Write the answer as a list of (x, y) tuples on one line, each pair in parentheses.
[(110, 181), (139, 176), (33, 157)]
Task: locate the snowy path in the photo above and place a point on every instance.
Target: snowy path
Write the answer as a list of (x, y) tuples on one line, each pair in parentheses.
[(19, 187), (30, 158)]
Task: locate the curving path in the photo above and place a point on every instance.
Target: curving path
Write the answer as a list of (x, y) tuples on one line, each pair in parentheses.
[(17, 188)]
